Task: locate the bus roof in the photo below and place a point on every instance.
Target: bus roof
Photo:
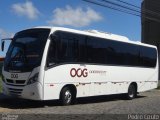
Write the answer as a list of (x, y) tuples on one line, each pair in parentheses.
[(99, 34)]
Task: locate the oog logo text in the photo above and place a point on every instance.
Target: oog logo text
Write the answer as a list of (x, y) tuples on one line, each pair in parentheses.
[(14, 75), (78, 72)]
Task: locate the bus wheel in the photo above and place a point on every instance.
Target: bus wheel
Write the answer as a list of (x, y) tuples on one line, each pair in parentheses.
[(132, 92), (66, 96)]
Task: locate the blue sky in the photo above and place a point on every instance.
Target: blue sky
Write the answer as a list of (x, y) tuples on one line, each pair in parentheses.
[(16, 15)]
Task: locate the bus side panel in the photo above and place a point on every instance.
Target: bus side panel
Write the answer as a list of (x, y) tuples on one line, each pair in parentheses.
[(151, 83), (91, 80), (146, 78), (52, 91), (57, 77)]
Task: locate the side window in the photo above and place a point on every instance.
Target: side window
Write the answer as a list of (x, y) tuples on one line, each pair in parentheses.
[(126, 54), (118, 53), (133, 55), (67, 48), (81, 48), (148, 57), (52, 56), (96, 50), (111, 53), (90, 50), (62, 49), (70, 47), (103, 51)]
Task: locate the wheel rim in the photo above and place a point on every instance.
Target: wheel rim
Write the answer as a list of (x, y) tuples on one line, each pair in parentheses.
[(68, 96)]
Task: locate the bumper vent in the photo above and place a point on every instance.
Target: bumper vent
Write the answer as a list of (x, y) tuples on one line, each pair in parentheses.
[(15, 91)]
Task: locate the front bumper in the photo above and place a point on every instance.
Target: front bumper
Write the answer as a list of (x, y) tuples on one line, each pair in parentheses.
[(33, 91)]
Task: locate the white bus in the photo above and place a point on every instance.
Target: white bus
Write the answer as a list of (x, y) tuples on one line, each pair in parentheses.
[(46, 63)]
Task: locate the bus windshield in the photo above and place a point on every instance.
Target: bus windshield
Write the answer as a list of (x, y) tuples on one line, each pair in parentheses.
[(26, 50)]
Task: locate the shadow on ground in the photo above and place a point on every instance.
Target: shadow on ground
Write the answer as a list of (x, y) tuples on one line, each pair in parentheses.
[(17, 103)]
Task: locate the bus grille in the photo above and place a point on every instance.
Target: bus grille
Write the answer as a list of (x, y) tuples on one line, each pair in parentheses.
[(15, 91), (15, 82)]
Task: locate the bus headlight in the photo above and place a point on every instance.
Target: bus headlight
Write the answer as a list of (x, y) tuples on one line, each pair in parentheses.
[(33, 79)]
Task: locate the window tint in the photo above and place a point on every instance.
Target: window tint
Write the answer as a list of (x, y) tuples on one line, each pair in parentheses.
[(148, 57), (26, 50), (68, 47), (96, 50), (52, 53), (111, 52), (71, 47)]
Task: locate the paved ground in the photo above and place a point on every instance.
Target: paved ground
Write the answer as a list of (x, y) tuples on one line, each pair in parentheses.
[(146, 103)]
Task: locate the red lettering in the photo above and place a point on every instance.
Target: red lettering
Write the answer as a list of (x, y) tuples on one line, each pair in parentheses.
[(85, 73), (79, 72), (73, 72)]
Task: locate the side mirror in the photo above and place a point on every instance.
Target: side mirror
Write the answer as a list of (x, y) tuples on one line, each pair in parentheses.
[(3, 42), (2, 45)]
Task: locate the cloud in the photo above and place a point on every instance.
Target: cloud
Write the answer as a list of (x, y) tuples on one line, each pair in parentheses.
[(5, 34), (26, 9), (77, 17)]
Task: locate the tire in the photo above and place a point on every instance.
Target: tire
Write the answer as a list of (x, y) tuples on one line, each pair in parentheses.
[(66, 97), (132, 92)]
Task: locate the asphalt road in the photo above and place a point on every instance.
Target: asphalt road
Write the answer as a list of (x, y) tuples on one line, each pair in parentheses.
[(94, 107)]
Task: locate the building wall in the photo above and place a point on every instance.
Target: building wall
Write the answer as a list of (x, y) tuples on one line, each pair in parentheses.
[(150, 20)]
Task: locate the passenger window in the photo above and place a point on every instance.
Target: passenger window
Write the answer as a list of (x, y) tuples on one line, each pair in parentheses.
[(52, 57), (70, 47)]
